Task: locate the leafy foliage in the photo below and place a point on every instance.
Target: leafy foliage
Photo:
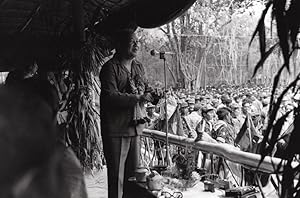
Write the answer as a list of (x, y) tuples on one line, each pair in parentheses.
[(210, 44), (82, 121), (286, 15), (79, 92)]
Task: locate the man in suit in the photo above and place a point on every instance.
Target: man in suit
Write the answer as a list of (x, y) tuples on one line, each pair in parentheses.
[(122, 88)]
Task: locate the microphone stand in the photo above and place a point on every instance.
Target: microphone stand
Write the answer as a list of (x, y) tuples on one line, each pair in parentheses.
[(162, 56)]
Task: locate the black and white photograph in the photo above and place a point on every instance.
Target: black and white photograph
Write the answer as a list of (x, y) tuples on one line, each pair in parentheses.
[(149, 98)]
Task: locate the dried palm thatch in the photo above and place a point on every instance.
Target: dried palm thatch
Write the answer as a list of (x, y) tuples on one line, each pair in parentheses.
[(83, 133), (45, 28), (42, 29), (286, 15)]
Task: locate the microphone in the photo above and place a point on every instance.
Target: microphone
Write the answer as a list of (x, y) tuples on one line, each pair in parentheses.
[(156, 53)]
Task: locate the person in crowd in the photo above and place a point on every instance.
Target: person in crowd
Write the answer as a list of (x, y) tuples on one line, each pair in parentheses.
[(207, 99), (198, 99), (187, 130), (215, 102), (262, 96), (286, 130), (246, 106), (265, 102), (257, 103), (117, 101), (226, 100), (194, 117), (237, 116), (238, 99), (191, 103), (224, 131), (204, 131), (152, 115), (207, 123), (184, 111), (256, 116)]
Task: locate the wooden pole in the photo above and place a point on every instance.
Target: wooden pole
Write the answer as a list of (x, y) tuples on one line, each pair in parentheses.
[(250, 160), (205, 73), (166, 112)]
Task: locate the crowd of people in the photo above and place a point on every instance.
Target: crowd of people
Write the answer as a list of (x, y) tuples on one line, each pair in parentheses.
[(234, 115)]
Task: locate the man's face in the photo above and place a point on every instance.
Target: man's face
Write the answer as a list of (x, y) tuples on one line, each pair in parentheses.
[(184, 110), (246, 108), (210, 115), (132, 47), (256, 119), (191, 107), (236, 112), (150, 110)]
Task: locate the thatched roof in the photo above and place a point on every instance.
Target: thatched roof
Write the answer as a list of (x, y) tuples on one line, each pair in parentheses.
[(41, 28)]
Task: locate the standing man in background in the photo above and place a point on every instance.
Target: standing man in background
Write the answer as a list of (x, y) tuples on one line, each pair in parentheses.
[(120, 78)]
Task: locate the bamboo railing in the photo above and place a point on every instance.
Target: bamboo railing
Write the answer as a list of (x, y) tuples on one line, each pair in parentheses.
[(249, 160)]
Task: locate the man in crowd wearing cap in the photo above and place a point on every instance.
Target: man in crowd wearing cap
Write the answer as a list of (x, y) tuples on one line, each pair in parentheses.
[(256, 103), (224, 131), (204, 131), (152, 115), (191, 103), (287, 128), (237, 117), (120, 134), (184, 111), (246, 106), (207, 122), (187, 130), (258, 121), (198, 99)]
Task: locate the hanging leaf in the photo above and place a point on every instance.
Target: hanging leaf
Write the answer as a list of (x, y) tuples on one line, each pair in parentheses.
[(262, 39), (294, 25), (282, 29), (261, 22), (264, 58)]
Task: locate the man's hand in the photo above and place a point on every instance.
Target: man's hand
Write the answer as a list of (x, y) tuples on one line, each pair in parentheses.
[(147, 97)]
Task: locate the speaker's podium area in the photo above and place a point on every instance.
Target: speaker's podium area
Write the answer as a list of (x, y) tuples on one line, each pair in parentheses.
[(207, 189), (223, 171)]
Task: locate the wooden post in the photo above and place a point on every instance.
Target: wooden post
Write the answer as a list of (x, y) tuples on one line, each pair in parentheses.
[(204, 73)]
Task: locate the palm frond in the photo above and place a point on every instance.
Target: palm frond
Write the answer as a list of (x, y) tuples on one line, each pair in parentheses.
[(264, 57)]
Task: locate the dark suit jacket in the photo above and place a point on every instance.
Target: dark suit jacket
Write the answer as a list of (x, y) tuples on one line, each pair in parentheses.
[(116, 101)]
